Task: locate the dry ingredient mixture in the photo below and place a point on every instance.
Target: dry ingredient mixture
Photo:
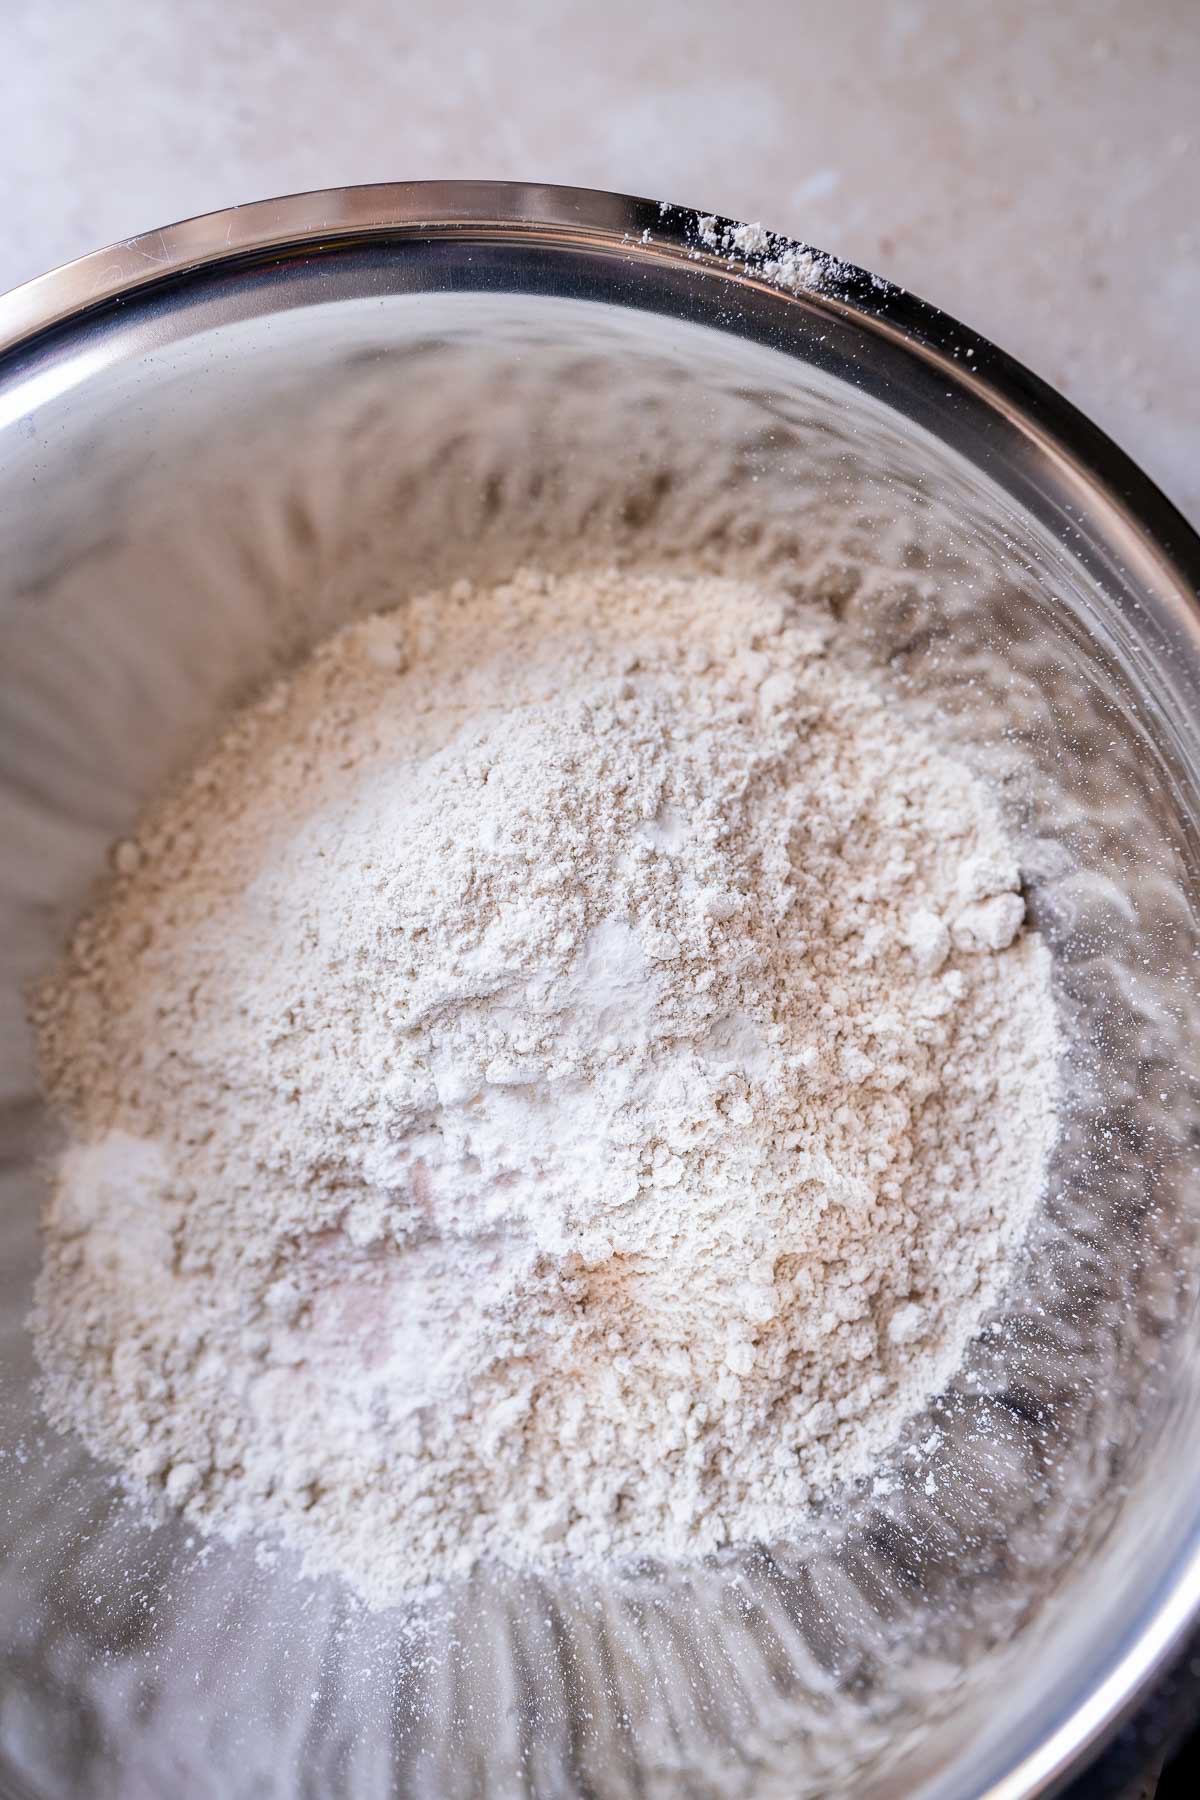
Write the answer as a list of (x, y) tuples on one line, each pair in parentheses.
[(565, 1076)]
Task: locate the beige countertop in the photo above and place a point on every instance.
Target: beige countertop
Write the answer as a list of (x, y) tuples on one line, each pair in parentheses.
[(1034, 169)]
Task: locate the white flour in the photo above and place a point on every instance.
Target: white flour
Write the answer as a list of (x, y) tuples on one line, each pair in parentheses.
[(565, 1076), (765, 254)]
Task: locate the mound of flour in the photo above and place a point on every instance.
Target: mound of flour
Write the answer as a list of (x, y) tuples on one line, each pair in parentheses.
[(565, 1076)]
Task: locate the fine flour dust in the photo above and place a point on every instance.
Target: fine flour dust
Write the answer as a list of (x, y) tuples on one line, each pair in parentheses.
[(566, 1076)]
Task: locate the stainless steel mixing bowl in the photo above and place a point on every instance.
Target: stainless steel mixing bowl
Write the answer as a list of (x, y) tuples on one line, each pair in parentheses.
[(218, 440)]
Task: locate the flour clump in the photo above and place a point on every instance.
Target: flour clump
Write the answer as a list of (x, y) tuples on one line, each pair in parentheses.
[(566, 1076)]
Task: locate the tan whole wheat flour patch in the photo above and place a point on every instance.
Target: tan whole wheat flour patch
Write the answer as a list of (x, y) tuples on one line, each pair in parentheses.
[(565, 1076)]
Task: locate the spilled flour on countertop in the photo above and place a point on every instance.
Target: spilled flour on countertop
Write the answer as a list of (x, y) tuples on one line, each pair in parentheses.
[(565, 1076)]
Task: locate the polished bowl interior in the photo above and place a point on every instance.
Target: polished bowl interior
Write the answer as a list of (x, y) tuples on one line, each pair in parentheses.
[(219, 444)]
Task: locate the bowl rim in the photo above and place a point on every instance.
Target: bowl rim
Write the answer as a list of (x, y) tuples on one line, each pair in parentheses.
[(325, 217), (564, 217)]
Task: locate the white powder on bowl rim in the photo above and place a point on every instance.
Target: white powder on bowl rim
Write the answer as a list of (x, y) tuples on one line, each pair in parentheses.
[(565, 1076), (781, 261)]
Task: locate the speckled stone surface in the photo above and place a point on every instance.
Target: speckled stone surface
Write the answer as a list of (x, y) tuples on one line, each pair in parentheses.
[(1033, 169)]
